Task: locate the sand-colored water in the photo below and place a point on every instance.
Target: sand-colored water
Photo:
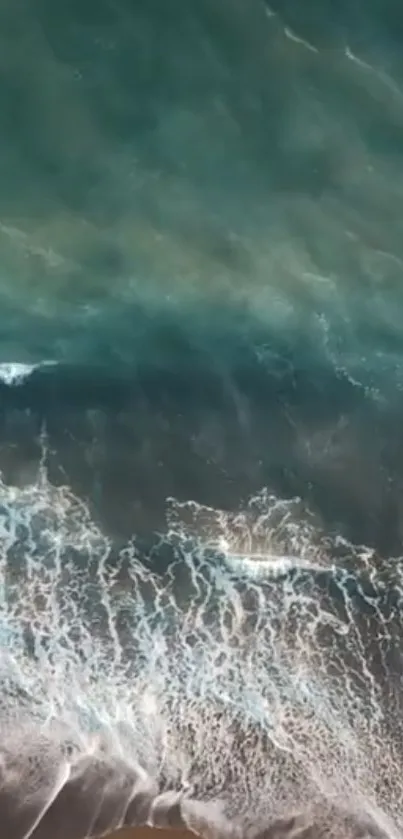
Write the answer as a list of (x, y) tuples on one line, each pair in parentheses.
[(153, 833)]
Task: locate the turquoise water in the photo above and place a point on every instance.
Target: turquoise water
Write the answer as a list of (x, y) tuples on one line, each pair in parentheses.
[(200, 223), (201, 388)]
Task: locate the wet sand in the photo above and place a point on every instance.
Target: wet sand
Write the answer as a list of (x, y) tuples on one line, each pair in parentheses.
[(151, 833)]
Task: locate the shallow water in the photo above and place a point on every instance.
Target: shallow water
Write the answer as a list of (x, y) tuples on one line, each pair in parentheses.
[(201, 392)]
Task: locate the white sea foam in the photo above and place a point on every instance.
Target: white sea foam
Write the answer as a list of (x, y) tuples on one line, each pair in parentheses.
[(17, 372), (263, 691)]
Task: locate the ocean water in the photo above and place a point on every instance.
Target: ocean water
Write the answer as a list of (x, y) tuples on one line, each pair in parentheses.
[(201, 401)]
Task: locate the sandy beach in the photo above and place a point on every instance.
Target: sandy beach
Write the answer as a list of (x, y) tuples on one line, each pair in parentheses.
[(151, 833)]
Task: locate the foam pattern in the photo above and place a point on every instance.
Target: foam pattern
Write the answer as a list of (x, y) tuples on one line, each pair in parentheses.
[(242, 679)]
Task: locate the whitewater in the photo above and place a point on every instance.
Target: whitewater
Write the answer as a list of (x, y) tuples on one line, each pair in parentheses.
[(245, 676)]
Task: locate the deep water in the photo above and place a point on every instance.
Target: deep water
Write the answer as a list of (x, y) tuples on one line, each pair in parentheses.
[(200, 220)]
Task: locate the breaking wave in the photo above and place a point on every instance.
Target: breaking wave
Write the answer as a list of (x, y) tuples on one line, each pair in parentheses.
[(249, 661), (17, 372)]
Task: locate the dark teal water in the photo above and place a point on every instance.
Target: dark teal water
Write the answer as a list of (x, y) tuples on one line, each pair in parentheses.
[(201, 228), (201, 223)]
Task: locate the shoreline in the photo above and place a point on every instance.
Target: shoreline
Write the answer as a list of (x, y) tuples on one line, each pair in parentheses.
[(151, 833)]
